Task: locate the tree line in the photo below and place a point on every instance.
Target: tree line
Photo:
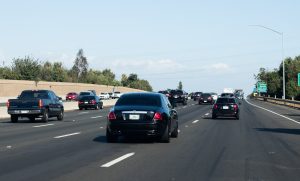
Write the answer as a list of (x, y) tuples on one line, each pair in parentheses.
[(33, 69), (273, 79)]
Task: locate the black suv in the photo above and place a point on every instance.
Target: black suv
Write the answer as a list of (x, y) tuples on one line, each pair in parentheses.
[(178, 96)]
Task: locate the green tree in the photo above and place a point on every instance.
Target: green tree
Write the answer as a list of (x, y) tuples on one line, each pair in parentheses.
[(26, 68), (80, 67), (124, 80), (46, 71), (180, 86)]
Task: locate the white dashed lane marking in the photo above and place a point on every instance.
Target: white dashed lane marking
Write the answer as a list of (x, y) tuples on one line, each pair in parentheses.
[(96, 117), (111, 163), (44, 125), (195, 121), (66, 135)]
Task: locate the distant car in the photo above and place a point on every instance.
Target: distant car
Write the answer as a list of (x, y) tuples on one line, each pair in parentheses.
[(110, 95), (90, 101), (214, 96), (205, 98), (196, 96), (93, 91), (86, 93), (166, 93), (142, 114), (116, 95), (36, 104), (178, 96), (227, 95), (104, 95), (226, 107), (71, 96)]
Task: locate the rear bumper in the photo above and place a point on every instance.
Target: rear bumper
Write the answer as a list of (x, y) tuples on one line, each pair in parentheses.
[(206, 101), (87, 105), (140, 129), (228, 113), (25, 112)]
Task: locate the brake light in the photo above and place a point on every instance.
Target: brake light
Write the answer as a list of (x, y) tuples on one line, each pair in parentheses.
[(111, 116), (215, 106), (209, 98), (93, 102), (7, 104), (40, 103), (235, 107), (158, 117), (80, 102)]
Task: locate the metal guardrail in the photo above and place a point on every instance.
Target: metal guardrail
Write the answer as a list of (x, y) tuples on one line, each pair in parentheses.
[(286, 102)]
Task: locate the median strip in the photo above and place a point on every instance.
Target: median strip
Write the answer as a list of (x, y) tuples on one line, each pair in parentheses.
[(44, 125), (66, 135), (111, 163)]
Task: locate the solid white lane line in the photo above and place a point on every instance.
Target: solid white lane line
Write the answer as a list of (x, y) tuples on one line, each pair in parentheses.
[(66, 135), (44, 125), (193, 104), (206, 114), (195, 121), (101, 127), (179, 131), (117, 160), (273, 112), (96, 117)]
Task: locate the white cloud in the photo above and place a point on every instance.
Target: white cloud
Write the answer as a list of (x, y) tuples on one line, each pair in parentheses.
[(219, 68), (146, 66)]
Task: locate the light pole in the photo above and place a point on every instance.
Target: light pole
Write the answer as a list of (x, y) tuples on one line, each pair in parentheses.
[(282, 54)]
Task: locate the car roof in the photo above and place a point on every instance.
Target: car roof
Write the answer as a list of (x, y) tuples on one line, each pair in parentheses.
[(143, 93)]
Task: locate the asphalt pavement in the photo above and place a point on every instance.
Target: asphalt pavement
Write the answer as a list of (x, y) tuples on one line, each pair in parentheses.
[(263, 145)]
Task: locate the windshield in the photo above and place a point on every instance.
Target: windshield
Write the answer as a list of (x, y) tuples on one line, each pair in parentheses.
[(34, 94), (139, 100)]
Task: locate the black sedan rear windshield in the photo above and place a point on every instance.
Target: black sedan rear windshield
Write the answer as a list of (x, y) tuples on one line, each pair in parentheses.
[(205, 95), (139, 100), (87, 98), (226, 100)]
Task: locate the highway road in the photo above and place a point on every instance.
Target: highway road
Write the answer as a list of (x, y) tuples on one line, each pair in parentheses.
[(262, 145)]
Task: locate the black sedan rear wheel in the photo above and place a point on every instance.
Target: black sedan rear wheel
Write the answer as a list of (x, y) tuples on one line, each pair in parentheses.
[(60, 117), (110, 138), (165, 138), (174, 133)]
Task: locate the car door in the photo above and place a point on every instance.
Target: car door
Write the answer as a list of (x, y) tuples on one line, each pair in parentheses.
[(172, 112), (56, 105)]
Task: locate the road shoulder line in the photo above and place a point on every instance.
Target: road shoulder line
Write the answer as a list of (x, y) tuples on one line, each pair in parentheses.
[(272, 112)]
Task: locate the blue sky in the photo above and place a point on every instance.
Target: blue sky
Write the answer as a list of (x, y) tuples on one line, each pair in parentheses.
[(208, 45)]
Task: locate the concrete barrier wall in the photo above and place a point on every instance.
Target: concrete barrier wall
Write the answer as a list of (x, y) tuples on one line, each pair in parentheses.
[(13, 88)]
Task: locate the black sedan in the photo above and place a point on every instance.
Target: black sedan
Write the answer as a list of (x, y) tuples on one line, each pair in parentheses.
[(86, 102), (205, 98), (226, 107), (142, 114)]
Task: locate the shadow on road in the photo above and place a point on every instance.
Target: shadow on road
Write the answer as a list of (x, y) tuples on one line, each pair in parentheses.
[(126, 140), (280, 130), (293, 115)]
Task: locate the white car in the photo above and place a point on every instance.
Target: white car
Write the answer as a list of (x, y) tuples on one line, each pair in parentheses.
[(214, 96), (104, 95), (116, 95)]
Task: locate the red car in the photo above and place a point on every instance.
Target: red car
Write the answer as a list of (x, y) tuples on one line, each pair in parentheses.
[(71, 96)]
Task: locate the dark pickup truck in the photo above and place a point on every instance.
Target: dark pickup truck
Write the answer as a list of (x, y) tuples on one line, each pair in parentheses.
[(36, 104)]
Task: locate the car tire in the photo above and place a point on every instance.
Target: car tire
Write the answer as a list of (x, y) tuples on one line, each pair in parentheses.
[(165, 138), (97, 107), (110, 138), (60, 117), (174, 133), (14, 118), (101, 107), (45, 117), (184, 103), (32, 119), (214, 116), (237, 117)]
